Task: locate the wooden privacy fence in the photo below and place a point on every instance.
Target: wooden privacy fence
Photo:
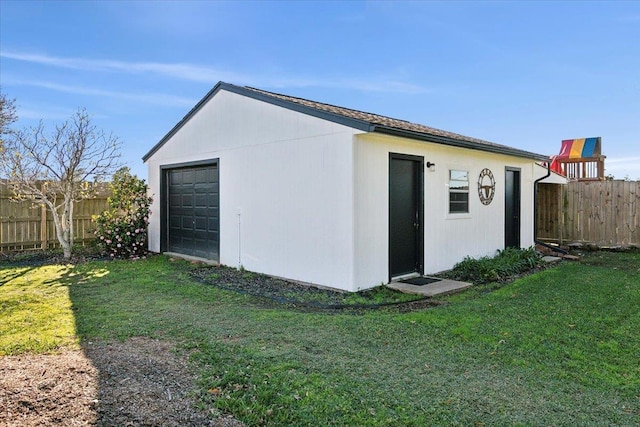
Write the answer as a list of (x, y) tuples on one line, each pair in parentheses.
[(26, 226), (601, 213)]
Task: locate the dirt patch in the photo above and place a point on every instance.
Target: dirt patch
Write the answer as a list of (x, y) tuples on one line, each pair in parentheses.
[(48, 389), (141, 382)]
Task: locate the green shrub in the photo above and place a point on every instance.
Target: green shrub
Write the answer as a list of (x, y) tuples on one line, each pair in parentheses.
[(122, 229), (507, 263)]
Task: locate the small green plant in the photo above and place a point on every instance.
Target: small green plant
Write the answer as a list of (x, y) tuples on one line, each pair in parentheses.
[(379, 295), (507, 263), (122, 229)]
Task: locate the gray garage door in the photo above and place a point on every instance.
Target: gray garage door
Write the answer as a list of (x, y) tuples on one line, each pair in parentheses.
[(193, 211)]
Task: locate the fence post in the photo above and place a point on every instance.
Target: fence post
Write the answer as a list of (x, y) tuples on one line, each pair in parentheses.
[(43, 227), (560, 213)]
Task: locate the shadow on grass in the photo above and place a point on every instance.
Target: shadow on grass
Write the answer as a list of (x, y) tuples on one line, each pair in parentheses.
[(142, 378), (6, 277)]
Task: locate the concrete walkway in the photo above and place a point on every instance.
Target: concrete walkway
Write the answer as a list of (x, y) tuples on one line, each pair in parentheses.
[(441, 287)]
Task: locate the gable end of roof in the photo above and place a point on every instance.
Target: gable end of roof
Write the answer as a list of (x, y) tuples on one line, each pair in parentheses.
[(260, 96)]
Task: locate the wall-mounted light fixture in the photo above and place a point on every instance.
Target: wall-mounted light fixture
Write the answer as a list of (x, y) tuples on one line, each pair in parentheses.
[(431, 166)]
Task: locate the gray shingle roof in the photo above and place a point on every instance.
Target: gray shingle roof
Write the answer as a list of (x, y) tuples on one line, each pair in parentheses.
[(382, 123), (368, 122)]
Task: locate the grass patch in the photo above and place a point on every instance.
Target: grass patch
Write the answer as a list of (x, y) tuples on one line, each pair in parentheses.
[(379, 295), (36, 310), (559, 347)]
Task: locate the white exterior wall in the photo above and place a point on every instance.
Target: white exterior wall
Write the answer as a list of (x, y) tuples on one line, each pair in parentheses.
[(448, 238), (286, 187)]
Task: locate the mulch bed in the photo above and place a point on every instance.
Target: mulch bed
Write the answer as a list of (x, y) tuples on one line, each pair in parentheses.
[(140, 382), (256, 284), (48, 257), (297, 295)]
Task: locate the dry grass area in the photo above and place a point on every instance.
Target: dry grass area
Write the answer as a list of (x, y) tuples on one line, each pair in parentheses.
[(140, 382)]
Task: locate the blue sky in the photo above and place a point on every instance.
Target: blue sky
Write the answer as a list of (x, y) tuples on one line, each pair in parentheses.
[(524, 74)]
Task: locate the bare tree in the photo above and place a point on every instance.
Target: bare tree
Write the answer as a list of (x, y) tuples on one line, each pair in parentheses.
[(8, 116), (60, 168)]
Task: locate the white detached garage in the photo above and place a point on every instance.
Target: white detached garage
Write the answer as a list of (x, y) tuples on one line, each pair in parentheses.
[(329, 195)]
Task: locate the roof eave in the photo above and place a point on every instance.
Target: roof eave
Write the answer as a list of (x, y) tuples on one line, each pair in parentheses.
[(438, 139)]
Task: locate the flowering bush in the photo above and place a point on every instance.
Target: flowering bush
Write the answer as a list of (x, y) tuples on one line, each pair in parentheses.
[(122, 229)]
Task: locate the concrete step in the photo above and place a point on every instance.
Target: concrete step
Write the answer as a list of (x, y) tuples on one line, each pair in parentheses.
[(440, 287)]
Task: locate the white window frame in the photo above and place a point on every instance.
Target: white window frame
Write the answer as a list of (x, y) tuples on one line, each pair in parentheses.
[(453, 190)]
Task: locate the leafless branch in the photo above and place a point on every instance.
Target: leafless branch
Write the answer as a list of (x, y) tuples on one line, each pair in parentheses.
[(46, 167)]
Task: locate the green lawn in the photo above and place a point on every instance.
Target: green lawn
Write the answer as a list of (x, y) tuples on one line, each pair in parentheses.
[(561, 347)]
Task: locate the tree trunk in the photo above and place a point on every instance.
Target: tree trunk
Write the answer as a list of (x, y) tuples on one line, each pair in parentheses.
[(67, 218), (71, 230), (59, 232), (66, 251), (61, 222)]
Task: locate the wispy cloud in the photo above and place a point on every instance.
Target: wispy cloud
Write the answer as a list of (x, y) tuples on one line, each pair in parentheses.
[(177, 70), (150, 98), (206, 74)]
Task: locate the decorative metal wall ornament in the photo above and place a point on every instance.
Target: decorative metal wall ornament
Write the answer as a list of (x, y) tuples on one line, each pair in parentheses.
[(486, 186)]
